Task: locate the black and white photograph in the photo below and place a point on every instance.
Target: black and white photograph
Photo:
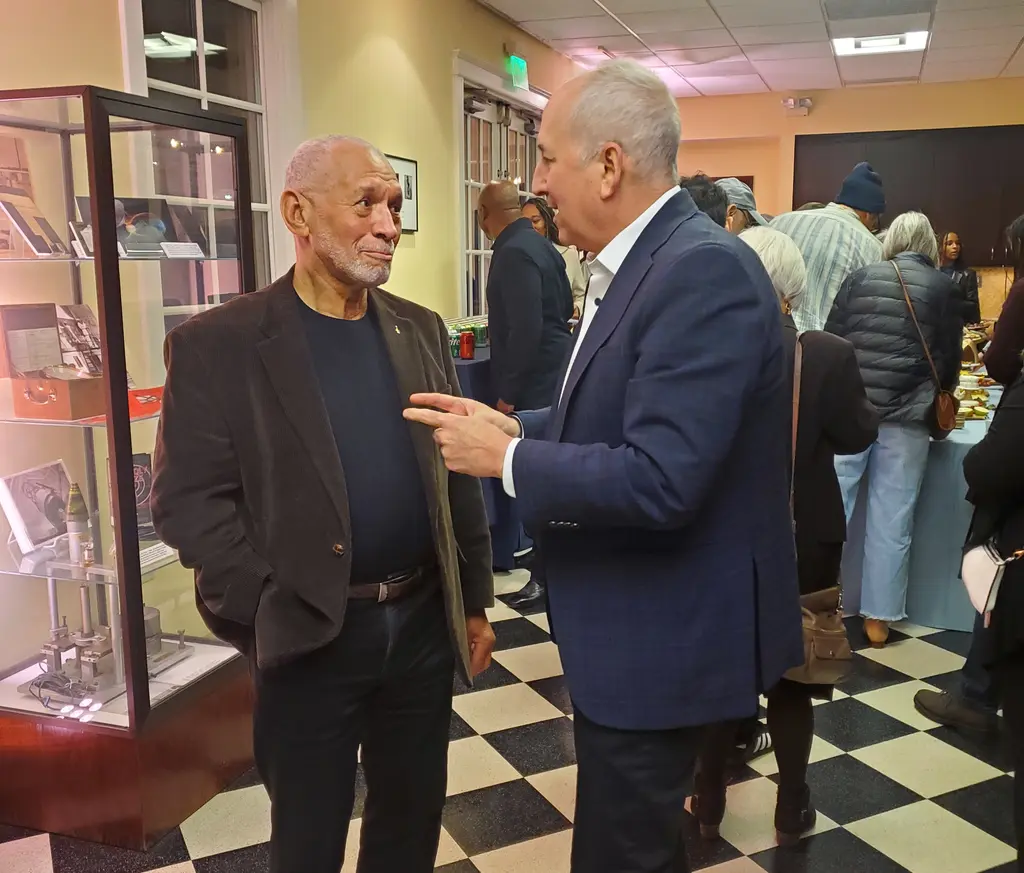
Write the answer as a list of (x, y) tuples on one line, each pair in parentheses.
[(408, 175), (34, 502), (80, 339)]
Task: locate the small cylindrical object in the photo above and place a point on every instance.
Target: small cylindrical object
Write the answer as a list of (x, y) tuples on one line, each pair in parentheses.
[(77, 520), (87, 628), (114, 618), (51, 591), (467, 345)]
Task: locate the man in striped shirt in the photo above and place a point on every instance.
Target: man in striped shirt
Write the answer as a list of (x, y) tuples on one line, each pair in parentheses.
[(835, 241)]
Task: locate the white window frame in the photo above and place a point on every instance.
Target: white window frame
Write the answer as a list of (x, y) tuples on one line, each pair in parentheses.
[(468, 76)]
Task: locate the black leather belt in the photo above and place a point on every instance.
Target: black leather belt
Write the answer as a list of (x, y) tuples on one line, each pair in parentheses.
[(396, 586)]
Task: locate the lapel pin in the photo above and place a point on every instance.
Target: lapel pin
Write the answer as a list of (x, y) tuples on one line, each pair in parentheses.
[(397, 330)]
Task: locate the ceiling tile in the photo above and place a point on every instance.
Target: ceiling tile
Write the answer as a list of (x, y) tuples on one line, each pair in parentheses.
[(621, 6), (717, 70), (531, 10), (880, 68), (623, 43), (694, 39), (974, 19), (960, 72), (880, 26), (702, 55), (1016, 65), (805, 81), (676, 83), (944, 5), (775, 34), (645, 59), (660, 22), (992, 36), (730, 85), (789, 50), (843, 10), (808, 66), (574, 28), (762, 14), (998, 55)]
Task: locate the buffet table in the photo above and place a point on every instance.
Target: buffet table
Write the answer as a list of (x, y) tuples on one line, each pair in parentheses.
[(935, 594), (506, 531)]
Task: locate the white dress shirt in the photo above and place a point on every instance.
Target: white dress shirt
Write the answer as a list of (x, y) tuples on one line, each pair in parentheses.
[(602, 271)]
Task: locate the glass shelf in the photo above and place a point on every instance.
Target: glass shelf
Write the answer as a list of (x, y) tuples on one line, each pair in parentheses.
[(96, 573), (137, 259)]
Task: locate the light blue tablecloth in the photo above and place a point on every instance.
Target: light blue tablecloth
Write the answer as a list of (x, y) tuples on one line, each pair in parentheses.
[(935, 595)]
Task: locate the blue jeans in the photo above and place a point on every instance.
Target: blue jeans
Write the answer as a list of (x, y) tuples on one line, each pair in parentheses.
[(895, 466)]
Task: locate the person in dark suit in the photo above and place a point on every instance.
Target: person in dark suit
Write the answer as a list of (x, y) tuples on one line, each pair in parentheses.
[(658, 475), (835, 417), (529, 303), (330, 544)]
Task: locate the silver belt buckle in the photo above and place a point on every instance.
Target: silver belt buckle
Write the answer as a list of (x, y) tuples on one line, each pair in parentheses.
[(382, 594)]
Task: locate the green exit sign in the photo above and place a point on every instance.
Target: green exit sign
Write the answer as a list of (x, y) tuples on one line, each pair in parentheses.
[(516, 67)]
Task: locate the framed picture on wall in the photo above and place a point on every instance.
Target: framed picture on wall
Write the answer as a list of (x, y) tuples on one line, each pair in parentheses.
[(408, 177)]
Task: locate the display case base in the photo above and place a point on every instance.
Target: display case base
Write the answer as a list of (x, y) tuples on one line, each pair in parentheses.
[(127, 789)]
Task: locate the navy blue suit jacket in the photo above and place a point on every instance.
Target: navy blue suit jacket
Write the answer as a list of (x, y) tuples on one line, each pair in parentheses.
[(660, 481)]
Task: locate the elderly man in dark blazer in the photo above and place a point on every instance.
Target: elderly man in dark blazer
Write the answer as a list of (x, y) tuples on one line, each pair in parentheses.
[(330, 543), (659, 473)]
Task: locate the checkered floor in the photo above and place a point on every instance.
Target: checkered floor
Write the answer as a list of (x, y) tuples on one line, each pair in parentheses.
[(894, 792)]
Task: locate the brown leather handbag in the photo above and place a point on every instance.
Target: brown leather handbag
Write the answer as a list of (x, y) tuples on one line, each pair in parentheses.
[(827, 653), (945, 405)]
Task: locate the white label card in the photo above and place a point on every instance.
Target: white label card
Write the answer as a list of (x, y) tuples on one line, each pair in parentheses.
[(182, 250)]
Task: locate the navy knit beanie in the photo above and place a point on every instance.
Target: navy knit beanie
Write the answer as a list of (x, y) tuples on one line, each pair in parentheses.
[(862, 190)]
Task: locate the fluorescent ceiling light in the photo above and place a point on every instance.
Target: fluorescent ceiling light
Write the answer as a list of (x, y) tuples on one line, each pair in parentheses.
[(170, 45), (915, 41)]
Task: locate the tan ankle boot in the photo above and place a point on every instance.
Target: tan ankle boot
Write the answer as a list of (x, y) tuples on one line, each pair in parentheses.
[(876, 631)]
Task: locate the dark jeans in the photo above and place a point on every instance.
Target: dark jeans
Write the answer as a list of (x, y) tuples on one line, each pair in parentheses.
[(631, 788), (976, 686), (1009, 676), (385, 683)]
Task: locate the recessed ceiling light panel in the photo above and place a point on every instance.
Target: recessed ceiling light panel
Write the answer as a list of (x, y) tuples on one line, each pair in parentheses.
[(915, 41)]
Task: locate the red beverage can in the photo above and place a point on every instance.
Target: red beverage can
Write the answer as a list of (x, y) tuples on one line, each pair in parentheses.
[(467, 345)]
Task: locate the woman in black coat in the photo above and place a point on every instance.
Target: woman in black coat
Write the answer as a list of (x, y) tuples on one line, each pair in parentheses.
[(835, 417), (951, 263), (871, 312), (994, 470)]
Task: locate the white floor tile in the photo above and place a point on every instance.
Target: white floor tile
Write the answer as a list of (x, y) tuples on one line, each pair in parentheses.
[(501, 708), (548, 854), (511, 582), (925, 838), (925, 764), (529, 663), (233, 820), (473, 763), (541, 620), (740, 865), (448, 851), (898, 701), (187, 867), (500, 612), (30, 855), (916, 658), (749, 822), (766, 765), (913, 630), (558, 787)]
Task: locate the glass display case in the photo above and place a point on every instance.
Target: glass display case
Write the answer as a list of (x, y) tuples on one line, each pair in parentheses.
[(119, 219)]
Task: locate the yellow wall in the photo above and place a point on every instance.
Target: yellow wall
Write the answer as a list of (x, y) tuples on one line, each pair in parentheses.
[(388, 77), (751, 135)]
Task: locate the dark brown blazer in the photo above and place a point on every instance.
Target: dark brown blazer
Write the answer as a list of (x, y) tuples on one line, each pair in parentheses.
[(249, 488), (836, 418)]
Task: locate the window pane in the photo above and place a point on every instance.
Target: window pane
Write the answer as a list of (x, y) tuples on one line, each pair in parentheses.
[(513, 156), (232, 51), (486, 138), (261, 248), (170, 40), (473, 153), (223, 166)]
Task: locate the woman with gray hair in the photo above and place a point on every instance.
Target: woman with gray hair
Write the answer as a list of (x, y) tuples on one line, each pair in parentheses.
[(834, 417), (876, 310)]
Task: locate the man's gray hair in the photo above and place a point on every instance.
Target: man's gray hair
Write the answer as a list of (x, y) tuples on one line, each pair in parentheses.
[(911, 232), (782, 261), (625, 103), (308, 166)]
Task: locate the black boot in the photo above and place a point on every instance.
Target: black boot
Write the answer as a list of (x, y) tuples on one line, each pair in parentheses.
[(529, 595), (794, 817)]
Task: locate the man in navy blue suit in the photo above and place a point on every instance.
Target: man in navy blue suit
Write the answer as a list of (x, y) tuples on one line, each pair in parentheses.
[(659, 474)]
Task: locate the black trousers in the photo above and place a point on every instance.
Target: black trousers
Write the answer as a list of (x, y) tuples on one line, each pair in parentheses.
[(1009, 676), (631, 789), (385, 683)]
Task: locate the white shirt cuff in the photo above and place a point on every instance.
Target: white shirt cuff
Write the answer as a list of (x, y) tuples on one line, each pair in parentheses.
[(507, 482)]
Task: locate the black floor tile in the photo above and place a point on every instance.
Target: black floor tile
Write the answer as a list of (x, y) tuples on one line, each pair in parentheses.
[(850, 725), (254, 859), (458, 867), (836, 851), (846, 790), (554, 691), (703, 853), (538, 606), (991, 748), (459, 730), (945, 681), (77, 856), (868, 675), (248, 779), (987, 805), (492, 818), (537, 748), (9, 834), (494, 676), (518, 632), (855, 633), (1006, 868), (952, 641)]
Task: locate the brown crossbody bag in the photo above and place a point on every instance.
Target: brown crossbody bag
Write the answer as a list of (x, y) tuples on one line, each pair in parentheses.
[(827, 653)]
